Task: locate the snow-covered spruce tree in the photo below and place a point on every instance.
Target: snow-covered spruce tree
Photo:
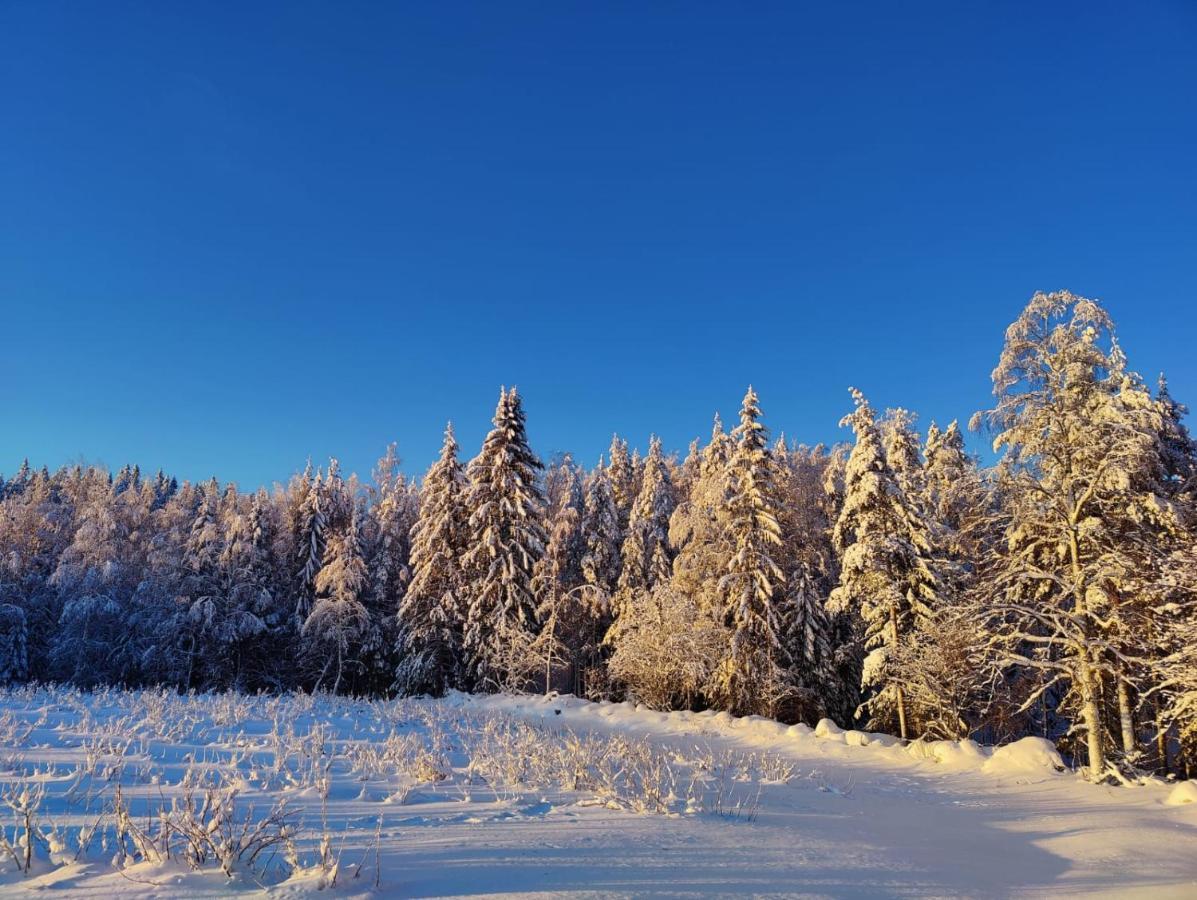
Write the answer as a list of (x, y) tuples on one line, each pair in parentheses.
[(808, 561), (949, 678), (245, 570), (601, 537), (338, 623), (95, 578), (957, 496), (687, 471), (699, 528), (339, 497), (199, 632), (1174, 694), (506, 539), (1133, 574), (808, 643), (14, 659), (645, 554), (601, 542), (1078, 486), (391, 513), (623, 479), (752, 676), (1178, 450), (35, 527), (902, 445), (431, 615), (309, 540), (160, 605), (562, 610), (886, 574)]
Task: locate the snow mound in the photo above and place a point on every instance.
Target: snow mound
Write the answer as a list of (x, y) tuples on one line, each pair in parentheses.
[(829, 731), (1028, 756), (965, 754), (1185, 792)]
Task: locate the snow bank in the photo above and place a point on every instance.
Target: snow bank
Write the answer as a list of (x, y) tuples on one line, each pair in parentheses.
[(965, 754), (1185, 792), (1028, 756)]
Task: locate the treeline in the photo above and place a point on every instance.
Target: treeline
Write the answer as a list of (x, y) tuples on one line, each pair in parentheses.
[(890, 583)]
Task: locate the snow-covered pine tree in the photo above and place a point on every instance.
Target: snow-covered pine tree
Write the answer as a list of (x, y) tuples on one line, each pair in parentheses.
[(338, 622), (506, 540), (886, 573), (431, 614), (752, 676)]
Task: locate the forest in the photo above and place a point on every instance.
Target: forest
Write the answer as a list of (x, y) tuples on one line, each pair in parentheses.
[(891, 582)]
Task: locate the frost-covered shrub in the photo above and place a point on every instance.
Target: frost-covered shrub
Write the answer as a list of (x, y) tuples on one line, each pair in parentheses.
[(667, 650)]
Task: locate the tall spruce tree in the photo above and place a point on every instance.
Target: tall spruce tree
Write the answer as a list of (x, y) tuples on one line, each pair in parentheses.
[(886, 572), (753, 674), (506, 540), (699, 528), (645, 556), (432, 616), (338, 623), (622, 474)]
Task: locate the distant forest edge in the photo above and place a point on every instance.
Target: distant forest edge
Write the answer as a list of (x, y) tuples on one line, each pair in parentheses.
[(891, 583)]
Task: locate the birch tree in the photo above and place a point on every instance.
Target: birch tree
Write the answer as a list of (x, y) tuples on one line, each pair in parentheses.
[(1078, 483)]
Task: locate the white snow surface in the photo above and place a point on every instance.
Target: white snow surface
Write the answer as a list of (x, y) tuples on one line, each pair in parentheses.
[(753, 807)]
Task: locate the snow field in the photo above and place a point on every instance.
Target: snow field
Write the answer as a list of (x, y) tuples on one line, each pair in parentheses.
[(150, 793)]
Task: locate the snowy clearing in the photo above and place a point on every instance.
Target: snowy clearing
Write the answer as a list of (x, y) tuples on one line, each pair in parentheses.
[(153, 794)]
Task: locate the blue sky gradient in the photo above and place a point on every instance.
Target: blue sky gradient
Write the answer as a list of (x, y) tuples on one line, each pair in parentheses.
[(233, 236)]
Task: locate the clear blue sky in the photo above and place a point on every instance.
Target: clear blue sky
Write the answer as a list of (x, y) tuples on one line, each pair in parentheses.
[(236, 235)]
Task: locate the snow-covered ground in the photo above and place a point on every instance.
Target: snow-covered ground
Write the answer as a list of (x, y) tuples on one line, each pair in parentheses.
[(528, 795)]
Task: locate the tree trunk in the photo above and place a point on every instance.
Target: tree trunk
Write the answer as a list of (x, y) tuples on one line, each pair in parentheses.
[(1161, 737), (337, 683), (323, 672), (893, 621), (1126, 720), (1091, 715)]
